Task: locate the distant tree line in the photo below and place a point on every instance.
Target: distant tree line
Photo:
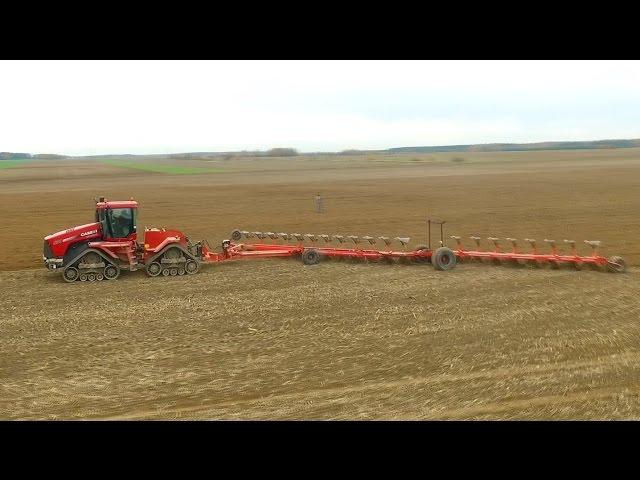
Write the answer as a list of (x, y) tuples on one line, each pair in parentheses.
[(281, 152), (518, 147), (274, 152), (14, 156), (49, 156), (24, 156)]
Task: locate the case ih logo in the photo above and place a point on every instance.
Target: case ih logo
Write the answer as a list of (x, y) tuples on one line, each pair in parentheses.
[(88, 233)]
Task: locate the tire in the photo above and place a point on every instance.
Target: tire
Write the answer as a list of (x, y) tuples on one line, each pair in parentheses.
[(111, 272), (191, 267), (236, 235), (70, 274), (616, 265), (443, 259), (154, 269), (311, 257)]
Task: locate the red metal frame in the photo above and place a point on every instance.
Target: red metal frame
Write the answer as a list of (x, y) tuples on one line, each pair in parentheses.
[(532, 257), (264, 250)]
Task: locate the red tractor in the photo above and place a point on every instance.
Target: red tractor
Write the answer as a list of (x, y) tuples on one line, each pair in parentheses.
[(100, 250)]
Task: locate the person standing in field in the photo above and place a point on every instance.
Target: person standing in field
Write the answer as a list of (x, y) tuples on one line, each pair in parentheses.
[(319, 204)]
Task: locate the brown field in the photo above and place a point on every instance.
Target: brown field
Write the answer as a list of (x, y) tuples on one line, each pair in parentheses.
[(274, 339)]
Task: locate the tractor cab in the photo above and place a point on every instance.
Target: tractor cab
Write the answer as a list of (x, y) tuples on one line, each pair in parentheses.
[(118, 219)]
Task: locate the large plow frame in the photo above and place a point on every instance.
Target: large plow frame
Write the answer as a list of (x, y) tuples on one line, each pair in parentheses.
[(311, 254)]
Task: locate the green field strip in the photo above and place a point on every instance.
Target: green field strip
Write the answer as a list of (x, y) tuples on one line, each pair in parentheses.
[(167, 169), (10, 163)]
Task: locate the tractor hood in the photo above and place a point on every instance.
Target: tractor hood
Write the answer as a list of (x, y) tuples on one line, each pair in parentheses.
[(59, 242)]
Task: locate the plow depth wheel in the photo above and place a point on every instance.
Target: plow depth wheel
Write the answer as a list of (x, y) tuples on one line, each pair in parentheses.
[(616, 264), (310, 257), (236, 235), (443, 259)]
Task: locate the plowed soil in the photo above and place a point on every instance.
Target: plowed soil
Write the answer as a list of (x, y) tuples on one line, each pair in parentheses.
[(273, 339)]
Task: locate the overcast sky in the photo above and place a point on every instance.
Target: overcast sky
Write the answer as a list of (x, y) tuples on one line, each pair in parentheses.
[(95, 107)]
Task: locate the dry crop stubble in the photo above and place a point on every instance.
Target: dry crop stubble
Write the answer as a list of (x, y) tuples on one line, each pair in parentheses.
[(276, 339)]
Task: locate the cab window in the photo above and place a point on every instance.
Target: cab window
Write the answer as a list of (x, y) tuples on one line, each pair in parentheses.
[(121, 221)]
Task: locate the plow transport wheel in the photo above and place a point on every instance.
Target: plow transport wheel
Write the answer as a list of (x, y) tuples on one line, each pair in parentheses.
[(443, 259)]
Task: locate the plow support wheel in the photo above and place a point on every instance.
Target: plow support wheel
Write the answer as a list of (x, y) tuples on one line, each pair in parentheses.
[(311, 257), (443, 259)]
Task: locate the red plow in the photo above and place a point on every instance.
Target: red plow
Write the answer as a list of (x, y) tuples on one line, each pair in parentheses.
[(313, 248)]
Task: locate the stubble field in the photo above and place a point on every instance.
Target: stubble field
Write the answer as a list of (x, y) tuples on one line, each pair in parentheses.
[(274, 339)]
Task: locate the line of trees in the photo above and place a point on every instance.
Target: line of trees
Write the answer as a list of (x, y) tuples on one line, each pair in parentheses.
[(274, 152), (49, 156), (14, 156), (281, 152), (24, 156)]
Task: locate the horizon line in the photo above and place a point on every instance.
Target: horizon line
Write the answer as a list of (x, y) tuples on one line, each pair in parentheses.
[(352, 149)]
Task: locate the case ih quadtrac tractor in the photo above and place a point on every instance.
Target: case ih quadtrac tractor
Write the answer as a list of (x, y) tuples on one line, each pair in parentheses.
[(100, 250)]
